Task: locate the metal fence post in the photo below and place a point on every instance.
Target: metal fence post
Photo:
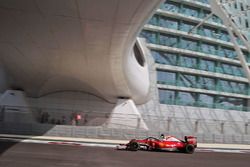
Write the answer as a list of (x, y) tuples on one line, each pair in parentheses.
[(169, 124), (196, 126), (246, 128), (222, 127)]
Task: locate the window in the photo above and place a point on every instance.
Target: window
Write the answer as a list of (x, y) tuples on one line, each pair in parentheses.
[(203, 1), (206, 83), (225, 86), (239, 87), (165, 77), (235, 5), (239, 20), (189, 62), (233, 87), (190, 11), (215, 19), (230, 103), (150, 36), (168, 40), (189, 44), (247, 24), (153, 20), (224, 36), (227, 69), (209, 32), (206, 100), (208, 48), (167, 96), (164, 58), (186, 26), (205, 13), (168, 23), (228, 52), (187, 80), (212, 18), (237, 71), (231, 69), (241, 6), (239, 41), (170, 6), (207, 65), (247, 56), (186, 98)]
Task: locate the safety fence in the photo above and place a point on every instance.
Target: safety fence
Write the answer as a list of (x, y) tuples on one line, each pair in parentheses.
[(111, 133), (62, 122)]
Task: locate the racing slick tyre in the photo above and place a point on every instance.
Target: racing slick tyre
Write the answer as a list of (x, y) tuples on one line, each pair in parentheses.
[(189, 149), (133, 146)]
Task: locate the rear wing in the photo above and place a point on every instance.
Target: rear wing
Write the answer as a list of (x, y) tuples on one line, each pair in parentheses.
[(191, 140)]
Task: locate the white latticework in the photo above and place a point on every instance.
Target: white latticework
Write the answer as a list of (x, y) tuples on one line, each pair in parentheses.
[(239, 11), (235, 15)]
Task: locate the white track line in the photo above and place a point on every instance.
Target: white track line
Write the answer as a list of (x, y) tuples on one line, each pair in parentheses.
[(81, 144), (223, 150)]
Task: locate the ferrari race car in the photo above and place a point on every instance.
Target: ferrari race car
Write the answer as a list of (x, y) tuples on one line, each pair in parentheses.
[(169, 143)]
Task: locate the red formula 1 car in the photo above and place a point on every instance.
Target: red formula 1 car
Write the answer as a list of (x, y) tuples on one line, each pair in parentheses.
[(168, 143)]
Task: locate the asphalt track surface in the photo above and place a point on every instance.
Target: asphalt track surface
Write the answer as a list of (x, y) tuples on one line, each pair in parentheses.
[(48, 155)]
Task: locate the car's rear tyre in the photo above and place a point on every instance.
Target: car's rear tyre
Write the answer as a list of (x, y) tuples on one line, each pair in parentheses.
[(189, 149), (134, 146)]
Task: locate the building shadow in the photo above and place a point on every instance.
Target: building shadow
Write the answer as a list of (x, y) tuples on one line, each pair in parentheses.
[(19, 123), (5, 145)]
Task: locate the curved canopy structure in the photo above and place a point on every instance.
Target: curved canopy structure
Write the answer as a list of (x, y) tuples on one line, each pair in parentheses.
[(79, 45)]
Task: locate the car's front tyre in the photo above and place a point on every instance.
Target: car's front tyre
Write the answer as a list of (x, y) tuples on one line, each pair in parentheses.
[(133, 146)]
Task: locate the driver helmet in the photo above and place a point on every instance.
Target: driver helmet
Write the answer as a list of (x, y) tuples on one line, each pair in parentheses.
[(162, 136)]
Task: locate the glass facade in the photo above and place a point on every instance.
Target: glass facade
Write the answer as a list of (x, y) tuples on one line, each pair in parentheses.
[(213, 42), (176, 97), (170, 6), (190, 11), (167, 96), (168, 22), (228, 52), (207, 65), (223, 35), (189, 62), (189, 44), (201, 82), (186, 98), (187, 80), (164, 57), (209, 48), (206, 100), (230, 103), (187, 26), (207, 83), (168, 40), (165, 77), (209, 32)]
